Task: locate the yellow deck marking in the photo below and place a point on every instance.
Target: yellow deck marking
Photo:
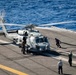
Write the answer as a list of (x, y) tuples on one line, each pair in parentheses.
[(12, 70)]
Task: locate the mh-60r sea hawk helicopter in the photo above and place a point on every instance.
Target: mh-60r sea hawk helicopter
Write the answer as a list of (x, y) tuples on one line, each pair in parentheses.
[(38, 43)]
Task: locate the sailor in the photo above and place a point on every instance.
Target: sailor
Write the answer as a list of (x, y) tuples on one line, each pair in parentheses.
[(23, 45), (60, 67), (70, 58), (58, 42)]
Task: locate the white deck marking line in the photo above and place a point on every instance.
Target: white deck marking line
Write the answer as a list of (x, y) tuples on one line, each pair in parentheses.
[(60, 57), (69, 52), (66, 52), (64, 59)]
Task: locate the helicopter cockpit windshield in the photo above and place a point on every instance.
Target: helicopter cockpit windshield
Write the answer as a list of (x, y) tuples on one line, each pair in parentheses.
[(41, 39)]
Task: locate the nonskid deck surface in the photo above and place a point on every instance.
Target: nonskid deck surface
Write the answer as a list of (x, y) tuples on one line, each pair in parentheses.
[(13, 62)]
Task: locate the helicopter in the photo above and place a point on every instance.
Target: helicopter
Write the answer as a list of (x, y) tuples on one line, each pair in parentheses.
[(38, 44)]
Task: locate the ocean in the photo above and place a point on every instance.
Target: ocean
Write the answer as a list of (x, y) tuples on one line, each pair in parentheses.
[(43, 13)]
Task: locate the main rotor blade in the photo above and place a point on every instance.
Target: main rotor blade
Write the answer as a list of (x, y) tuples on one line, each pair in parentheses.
[(11, 24), (65, 22), (50, 24)]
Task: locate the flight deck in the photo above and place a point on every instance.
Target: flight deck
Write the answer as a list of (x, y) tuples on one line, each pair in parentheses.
[(13, 62)]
